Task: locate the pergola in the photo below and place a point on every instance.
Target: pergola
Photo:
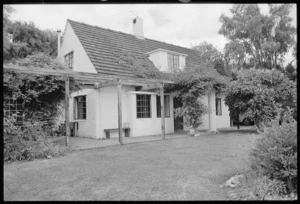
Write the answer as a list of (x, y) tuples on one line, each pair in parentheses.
[(98, 81)]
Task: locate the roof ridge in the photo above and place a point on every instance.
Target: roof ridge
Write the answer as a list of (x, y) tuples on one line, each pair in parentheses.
[(130, 34)]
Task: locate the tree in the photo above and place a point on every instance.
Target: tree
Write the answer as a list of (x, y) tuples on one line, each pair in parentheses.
[(28, 39), (211, 56), (258, 40), (7, 11), (291, 71), (257, 93)]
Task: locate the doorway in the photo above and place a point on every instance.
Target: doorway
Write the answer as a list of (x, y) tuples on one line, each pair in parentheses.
[(178, 122)]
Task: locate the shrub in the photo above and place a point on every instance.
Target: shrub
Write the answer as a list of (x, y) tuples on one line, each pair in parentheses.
[(275, 154), (266, 187), (26, 143)]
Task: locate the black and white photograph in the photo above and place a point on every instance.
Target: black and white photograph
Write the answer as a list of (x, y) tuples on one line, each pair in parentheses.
[(149, 101)]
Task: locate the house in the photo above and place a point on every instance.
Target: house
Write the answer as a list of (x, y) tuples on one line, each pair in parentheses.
[(92, 49)]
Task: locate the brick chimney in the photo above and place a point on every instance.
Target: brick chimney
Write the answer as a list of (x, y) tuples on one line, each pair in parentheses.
[(137, 27)]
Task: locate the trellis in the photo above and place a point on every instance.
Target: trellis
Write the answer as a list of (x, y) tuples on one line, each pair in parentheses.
[(98, 81)]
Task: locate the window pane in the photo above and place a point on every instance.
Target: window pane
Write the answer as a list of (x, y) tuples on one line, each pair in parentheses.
[(167, 106), (158, 106), (80, 107), (218, 106), (143, 106)]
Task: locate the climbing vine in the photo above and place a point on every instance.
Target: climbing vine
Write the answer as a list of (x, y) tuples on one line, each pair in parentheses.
[(41, 94)]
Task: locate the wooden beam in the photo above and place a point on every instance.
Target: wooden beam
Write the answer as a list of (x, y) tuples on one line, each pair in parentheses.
[(67, 88), (92, 77), (162, 110), (120, 111), (109, 83), (149, 87)]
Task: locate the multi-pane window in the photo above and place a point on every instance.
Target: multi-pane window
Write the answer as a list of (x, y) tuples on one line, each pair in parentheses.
[(218, 106), (12, 107), (173, 62), (167, 106), (69, 60), (79, 107), (143, 105)]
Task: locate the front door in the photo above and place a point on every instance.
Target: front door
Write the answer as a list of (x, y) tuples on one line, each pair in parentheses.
[(178, 122)]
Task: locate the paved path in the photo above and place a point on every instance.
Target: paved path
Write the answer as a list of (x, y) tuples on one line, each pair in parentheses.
[(81, 143)]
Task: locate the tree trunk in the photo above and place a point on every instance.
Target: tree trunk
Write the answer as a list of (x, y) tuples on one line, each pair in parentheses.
[(238, 121)]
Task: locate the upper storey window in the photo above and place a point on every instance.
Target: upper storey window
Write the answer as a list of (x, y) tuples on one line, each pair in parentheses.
[(173, 62), (69, 60), (167, 60)]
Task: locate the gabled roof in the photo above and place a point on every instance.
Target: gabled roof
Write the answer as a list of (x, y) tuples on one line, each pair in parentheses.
[(103, 45)]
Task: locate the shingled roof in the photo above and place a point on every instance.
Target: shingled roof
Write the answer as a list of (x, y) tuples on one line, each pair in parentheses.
[(103, 45)]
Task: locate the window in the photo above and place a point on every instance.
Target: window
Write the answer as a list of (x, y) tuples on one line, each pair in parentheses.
[(218, 106), (143, 106), (14, 107), (173, 62), (69, 60), (167, 106), (79, 107)]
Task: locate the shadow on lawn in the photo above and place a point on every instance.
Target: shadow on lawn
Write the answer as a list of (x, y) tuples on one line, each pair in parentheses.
[(243, 130)]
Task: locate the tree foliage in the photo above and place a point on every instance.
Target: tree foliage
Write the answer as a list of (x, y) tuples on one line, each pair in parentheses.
[(257, 93), (7, 11), (211, 56), (257, 40), (28, 39)]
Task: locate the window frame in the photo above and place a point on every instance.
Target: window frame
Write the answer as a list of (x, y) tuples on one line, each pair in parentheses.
[(218, 100), (9, 103), (69, 63), (141, 106), (173, 59), (76, 110), (158, 106)]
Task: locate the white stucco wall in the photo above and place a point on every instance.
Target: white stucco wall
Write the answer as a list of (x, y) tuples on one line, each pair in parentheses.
[(181, 62), (205, 118), (223, 120), (70, 43), (150, 126), (109, 109), (138, 126), (87, 127), (160, 60)]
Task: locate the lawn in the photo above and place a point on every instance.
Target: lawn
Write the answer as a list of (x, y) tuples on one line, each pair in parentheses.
[(190, 168)]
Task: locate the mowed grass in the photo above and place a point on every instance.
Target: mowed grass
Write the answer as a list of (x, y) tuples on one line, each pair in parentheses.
[(190, 168)]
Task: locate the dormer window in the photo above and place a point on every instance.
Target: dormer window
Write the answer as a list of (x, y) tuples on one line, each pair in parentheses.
[(167, 60), (173, 62), (69, 60)]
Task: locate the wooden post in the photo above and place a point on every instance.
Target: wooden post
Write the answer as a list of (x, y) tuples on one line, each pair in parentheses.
[(162, 110), (67, 109), (120, 111), (238, 121), (231, 119)]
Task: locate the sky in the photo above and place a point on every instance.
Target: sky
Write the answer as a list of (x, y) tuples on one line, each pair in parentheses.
[(179, 24)]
